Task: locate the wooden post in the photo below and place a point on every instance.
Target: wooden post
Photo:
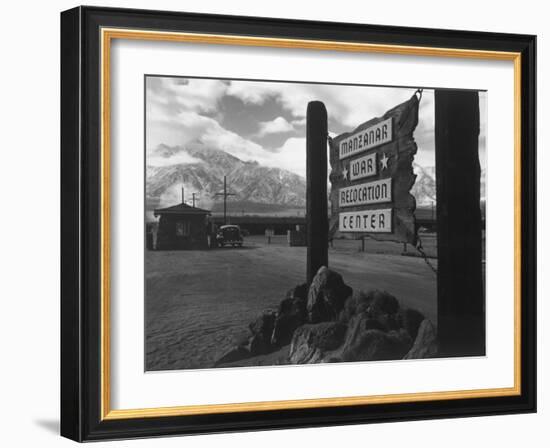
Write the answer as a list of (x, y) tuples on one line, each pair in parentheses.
[(316, 191), (460, 295), (225, 199)]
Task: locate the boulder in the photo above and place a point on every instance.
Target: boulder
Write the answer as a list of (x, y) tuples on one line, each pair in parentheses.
[(298, 292), (425, 345), (357, 303), (258, 345), (327, 295), (361, 323), (410, 319), (312, 341), (291, 314), (263, 325), (381, 302), (235, 354), (261, 329), (375, 345)]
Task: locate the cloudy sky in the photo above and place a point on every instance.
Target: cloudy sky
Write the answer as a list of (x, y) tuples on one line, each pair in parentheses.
[(265, 121)]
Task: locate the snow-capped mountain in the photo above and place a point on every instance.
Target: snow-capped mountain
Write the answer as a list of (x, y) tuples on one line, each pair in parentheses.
[(200, 169)]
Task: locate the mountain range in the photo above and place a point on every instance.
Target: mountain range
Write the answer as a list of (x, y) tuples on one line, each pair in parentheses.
[(255, 189), (424, 186)]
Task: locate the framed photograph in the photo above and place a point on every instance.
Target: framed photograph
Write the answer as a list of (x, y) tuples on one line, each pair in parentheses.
[(276, 224)]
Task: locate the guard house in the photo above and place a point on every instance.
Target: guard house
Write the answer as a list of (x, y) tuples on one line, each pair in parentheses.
[(182, 227)]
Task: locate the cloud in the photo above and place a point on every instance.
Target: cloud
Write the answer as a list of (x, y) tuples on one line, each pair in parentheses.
[(252, 92), (180, 111), (175, 111), (291, 156), (175, 159), (177, 94), (299, 122), (186, 127), (277, 126), (348, 105)]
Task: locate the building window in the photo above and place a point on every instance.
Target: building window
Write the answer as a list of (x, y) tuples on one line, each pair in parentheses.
[(183, 228)]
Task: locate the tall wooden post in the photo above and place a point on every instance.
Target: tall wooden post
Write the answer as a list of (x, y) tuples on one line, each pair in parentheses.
[(316, 192), (225, 199), (461, 299)]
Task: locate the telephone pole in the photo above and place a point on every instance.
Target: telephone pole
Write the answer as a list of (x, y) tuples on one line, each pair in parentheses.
[(225, 194)]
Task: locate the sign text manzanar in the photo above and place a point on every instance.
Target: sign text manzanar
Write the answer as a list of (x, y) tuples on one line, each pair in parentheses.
[(372, 175)]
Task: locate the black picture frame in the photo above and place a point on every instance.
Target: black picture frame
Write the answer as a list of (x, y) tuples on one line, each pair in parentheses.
[(81, 208)]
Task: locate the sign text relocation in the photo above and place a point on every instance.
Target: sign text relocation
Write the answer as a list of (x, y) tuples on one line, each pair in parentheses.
[(368, 193)]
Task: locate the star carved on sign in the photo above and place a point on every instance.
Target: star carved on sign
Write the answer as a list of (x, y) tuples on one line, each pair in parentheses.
[(345, 172), (384, 161)]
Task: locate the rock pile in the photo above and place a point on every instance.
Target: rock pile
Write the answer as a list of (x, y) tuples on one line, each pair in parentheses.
[(329, 322)]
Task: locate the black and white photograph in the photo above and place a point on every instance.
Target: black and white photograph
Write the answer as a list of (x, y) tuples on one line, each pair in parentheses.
[(291, 223)]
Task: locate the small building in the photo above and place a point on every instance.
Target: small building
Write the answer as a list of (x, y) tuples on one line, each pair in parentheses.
[(257, 225), (182, 227)]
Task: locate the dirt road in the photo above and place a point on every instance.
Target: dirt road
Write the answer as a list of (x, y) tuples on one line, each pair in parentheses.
[(199, 303)]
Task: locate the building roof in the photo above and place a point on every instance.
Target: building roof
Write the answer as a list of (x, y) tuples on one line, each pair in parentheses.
[(181, 209)]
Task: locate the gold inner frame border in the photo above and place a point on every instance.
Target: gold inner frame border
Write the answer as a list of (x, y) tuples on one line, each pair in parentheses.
[(107, 35)]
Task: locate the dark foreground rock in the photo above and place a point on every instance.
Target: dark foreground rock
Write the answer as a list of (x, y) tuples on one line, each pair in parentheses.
[(425, 344), (364, 342), (276, 358), (235, 354), (311, 342), (382, 302), (291, 314), (327, 295), (261, 329), (410, 320), (329, 322)]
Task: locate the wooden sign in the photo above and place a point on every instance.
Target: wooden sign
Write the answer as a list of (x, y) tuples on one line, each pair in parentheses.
[(372, 175)]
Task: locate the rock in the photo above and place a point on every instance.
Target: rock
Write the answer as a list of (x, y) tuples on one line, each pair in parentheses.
[(327, 295), (357, 303), (360, 323), (298, 292), (311, 341), (375, 345), (291, 314), (258, 345), (425, 344), (410, 320), (263, 325), (382, 303), (261, 329), (235, 354), (390, 322)]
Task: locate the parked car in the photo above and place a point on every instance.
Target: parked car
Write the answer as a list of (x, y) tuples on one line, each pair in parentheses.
[(229, 235)]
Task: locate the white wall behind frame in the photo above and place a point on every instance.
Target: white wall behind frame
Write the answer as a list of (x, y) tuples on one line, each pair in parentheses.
[(30, 280)]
